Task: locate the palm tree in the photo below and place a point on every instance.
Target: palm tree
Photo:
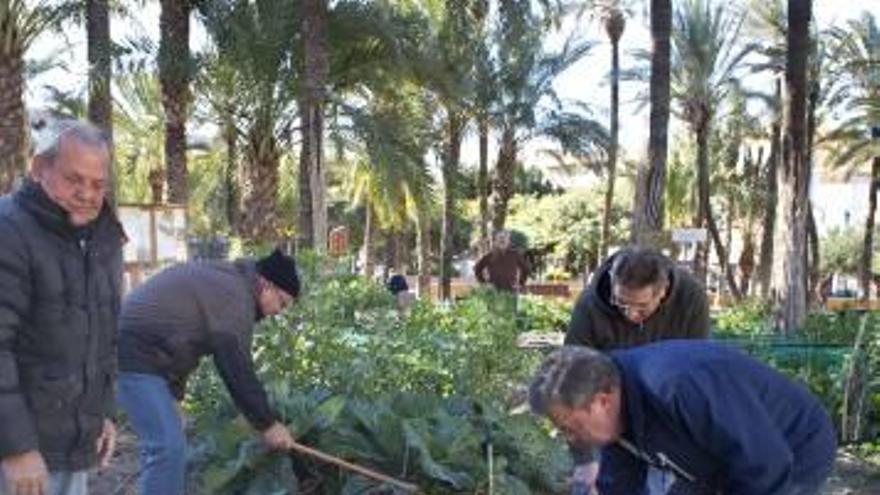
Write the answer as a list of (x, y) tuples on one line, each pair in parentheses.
[(220, 85), (526, 76), (19, 26), (769, 23), (856, 140), (706, 59), (174, 75), (794, 189), (612, 16), (100, 72), (258, 39), (648, 201), (312, 173), (140, 133)]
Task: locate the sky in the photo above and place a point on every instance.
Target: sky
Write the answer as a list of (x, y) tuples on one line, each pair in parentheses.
[(585, 81)]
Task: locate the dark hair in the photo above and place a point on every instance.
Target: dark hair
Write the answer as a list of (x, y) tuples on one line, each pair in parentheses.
[(571, 376), (638, 266)]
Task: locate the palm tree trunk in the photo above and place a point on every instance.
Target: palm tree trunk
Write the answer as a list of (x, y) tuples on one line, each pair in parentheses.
[(705, 213), (455, 129), (812, 261), (100, 73), (612, 152), (423, 241), (813, 258), (792, 302), (312, 180), (13, 120), (231, 174), (765, 264), (865, 270), (504, 177), (483, 178), (369, 234), (174, 59), (260, 215), (648, 203)]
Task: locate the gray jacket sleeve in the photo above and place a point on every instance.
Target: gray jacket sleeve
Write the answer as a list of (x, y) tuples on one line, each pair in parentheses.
[(17, 430), (232, 356), (230, 341)]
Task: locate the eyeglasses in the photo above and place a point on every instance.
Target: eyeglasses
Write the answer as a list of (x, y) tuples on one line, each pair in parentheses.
[(625, 307)]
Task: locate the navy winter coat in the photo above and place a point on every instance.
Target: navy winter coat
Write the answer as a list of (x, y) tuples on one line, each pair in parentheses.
[(717, 419)]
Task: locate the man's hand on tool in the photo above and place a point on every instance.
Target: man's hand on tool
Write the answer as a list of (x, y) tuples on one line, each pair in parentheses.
[(277, 437)]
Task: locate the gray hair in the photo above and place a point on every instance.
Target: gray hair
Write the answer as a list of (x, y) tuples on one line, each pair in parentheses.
[(48, 143), (571, 376), (639, 266)]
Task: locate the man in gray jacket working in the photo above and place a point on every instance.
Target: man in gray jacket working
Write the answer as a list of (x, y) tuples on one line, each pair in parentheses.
[(168, 324)]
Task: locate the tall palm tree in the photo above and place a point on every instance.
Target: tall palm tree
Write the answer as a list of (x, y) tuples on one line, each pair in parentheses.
[(706, 61), (614, 22), (856, 140), (648, 202), (19, 26), (220, 85), (794, 190), (312, 173), (100, 71), (174, 75), (259, 40), (526, 74), (612, 15), (769, 24)]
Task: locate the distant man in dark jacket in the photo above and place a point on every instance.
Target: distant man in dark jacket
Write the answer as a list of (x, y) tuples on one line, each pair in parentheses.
[(168, 324), (637, 296), (687, 417), (506, 268), (60, 277)]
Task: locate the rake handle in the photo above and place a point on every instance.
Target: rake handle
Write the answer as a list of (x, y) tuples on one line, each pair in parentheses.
[(352, 467)]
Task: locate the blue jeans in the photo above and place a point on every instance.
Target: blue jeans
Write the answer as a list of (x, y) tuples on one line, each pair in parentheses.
[(153, 413), (61, 483)]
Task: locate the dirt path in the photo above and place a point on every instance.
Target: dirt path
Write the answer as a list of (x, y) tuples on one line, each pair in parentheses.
[(854, 476)]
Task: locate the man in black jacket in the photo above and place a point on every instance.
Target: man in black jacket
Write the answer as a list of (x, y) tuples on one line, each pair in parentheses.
[(166, 326), (60, 277), (636, 297)]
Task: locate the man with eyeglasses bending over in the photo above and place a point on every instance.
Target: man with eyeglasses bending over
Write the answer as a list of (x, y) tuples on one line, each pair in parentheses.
[(637, 296), (687, 417)]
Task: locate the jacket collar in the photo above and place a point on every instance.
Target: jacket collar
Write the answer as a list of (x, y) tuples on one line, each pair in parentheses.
[(32, 198)]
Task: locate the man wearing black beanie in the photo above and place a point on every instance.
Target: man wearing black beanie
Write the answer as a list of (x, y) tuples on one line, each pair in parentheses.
[(168, 324)]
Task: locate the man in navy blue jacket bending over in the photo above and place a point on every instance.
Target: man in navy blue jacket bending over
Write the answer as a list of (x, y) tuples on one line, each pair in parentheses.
[(687, 417)]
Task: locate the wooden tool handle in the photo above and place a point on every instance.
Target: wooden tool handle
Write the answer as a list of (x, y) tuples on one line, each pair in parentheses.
[(353, 467)]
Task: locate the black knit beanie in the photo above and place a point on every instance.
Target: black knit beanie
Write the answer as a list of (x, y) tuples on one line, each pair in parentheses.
[(280, 269)]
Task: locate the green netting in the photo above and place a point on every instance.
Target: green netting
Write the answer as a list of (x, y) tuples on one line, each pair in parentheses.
[(839, 374)]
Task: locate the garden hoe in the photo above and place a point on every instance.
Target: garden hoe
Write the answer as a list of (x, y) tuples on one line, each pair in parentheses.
[(369, 473)]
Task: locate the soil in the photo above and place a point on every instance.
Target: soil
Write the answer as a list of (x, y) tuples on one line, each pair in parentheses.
[(853, 476)]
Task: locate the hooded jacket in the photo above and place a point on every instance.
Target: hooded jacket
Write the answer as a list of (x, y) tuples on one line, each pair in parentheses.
[(595, 322), (715, 421), (59, 299)]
